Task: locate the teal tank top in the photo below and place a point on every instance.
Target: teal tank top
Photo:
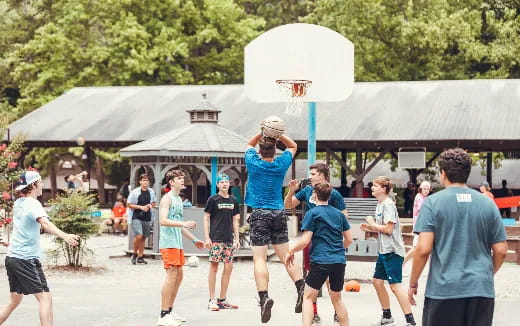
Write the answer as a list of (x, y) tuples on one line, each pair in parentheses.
[(171, 237)]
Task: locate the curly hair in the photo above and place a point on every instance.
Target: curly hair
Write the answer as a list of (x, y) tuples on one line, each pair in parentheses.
[(456, 163)]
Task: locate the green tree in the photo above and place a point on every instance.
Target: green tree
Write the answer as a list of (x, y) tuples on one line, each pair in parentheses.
[(427, 40), (72, 213), (276, 12), (131, 42)]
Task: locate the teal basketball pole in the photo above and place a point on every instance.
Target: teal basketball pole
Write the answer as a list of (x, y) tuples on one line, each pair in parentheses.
[(214, 171), (311, 137)]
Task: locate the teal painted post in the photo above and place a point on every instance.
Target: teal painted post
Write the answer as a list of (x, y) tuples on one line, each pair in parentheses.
[(311, 140), (214, 171)]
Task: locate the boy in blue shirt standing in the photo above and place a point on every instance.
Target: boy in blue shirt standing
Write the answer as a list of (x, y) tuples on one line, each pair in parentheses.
[(329, 231)]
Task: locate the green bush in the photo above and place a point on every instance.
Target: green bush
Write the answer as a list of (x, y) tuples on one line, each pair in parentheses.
[(72, 213)]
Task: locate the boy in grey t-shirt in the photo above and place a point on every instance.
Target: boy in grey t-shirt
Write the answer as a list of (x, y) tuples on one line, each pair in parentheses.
[(462, 230), (389, 265)]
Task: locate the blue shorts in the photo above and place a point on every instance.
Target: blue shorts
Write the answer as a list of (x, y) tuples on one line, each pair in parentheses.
[(141, 227), (389, 267)]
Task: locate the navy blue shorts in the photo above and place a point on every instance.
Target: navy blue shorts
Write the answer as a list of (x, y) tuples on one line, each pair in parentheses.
[(389, 267)]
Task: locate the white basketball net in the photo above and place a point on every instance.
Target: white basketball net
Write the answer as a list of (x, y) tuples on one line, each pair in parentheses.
[(294, 92)]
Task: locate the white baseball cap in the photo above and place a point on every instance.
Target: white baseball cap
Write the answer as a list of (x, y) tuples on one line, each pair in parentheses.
[(27, 178)]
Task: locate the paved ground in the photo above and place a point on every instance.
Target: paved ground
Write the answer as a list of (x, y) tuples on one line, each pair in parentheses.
[(122, 294)]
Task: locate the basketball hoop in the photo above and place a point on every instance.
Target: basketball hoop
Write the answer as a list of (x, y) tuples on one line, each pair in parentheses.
[(294, 91)]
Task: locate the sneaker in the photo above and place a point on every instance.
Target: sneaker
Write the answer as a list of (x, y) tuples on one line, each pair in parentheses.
[(141, 260), (299, 301), (385, 321), (213, 306), (265, 309), (134, 259), (178, 317), (167, 320), (316, 320), (336, 318), (224, 304), (122, 234)]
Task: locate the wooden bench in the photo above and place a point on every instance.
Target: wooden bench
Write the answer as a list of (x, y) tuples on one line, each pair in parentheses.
[(513, 244)]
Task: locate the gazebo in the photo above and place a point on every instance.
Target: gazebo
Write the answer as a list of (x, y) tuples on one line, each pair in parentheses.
[(203, 146)]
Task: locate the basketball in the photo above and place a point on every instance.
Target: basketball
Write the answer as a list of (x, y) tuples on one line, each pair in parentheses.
[(273, 127), (80, 141), (352, 286)]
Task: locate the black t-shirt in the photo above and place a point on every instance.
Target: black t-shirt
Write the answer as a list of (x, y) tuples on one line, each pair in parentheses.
[(221, 212), (143, 200)]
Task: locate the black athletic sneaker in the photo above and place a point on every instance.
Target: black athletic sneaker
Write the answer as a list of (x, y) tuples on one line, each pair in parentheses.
[(336, 318), (141, 260), (265, 309), (134, 259), (299, 301)]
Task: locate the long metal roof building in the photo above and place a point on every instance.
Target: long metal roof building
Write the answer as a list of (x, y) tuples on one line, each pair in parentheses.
[(480, 115)]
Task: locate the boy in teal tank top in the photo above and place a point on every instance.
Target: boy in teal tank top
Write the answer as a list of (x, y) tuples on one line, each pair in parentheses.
[(173, 227)]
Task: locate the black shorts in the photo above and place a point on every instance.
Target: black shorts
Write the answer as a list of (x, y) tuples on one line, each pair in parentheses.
[(474, 311), (318, 274), (268, 226), (25, 275)]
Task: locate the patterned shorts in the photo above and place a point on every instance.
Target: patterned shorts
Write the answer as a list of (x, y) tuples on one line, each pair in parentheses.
[(268, 226), (221, 252)]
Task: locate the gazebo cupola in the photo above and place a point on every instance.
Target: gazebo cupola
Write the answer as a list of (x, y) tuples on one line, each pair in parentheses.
[(204, 112)]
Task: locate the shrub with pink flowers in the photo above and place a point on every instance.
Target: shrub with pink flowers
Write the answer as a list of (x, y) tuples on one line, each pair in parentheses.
[(9, 173)]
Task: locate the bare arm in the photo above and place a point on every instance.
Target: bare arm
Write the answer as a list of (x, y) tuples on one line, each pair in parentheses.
[(207, 239), (236, 221), (49, 227), (388, 228), (289, 143), (290, 200), (347, 238), (253, 141), (422, 252), (302, 242), (499, 254)]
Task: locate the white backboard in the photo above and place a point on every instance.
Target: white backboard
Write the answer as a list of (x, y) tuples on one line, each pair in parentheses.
[(299, 51), (411, 160)]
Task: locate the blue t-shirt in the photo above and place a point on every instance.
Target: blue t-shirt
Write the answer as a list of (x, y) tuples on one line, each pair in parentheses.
[(335, 200), (466, 224), (327, 225), (25, 241), (265, 179)]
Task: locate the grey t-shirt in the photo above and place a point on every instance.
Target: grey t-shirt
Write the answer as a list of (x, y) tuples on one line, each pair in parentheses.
[(465, 224), (387, 212)]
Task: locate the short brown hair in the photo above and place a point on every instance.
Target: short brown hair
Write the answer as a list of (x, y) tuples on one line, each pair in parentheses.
[(384, 182), (323, 190), (321, 168), (143, 176), (456, 163), (172, 174), (267, 147)]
